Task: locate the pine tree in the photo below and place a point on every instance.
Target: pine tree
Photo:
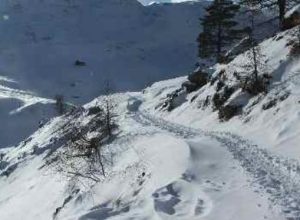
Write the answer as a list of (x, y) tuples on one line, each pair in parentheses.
[(219, 29)]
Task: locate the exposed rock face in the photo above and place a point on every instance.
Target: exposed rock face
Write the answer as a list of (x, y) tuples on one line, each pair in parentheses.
[(175, 99), (198, 77), (227, 112), (189, 86), (196, 80), (292, 18)]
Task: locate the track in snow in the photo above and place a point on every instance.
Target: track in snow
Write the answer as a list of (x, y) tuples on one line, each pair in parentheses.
[(277, 176)]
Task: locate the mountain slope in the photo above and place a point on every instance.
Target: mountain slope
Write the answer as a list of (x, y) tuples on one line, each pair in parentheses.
[(117, 40), (245, 168), (155, 173), (21, 112), (172, 157), (276, 113), (122, 41)]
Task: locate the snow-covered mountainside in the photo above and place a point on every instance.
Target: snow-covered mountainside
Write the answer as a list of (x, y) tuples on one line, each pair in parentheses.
[(172, 157), (270, 119), (150, 2), (20, 112), (157, 170), (119, 40)]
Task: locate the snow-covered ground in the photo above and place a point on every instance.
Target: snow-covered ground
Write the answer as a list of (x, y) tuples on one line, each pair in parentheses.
[(273, 126), (159, 171), (182, 164), (20, 112), (120, 40)]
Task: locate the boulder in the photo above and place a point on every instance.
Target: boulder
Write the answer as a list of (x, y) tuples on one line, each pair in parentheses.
[(79, 63), (189, 86), (94, 110), (174, 100), (199, 78), (227, 112)]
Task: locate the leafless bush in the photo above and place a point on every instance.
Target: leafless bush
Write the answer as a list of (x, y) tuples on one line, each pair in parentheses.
[(60, 104), (85, 155)]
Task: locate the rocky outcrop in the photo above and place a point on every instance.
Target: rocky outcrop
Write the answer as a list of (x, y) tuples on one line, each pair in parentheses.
[(292, 18), (196, 80)]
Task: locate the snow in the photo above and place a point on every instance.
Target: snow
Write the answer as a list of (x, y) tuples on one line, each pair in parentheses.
[(150, 2), (119, 40), (20, 114), (187, 175), (295, 9), (283, 119), (29, 193), (179, 165)]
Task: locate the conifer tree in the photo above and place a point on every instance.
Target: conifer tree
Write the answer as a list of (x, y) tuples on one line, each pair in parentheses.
[(219, 29)]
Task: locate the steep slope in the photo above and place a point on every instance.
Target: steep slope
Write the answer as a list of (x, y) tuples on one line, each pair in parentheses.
[(157, 170), (244, 168), (172, 157), (270, 119), (120, 40), (21, 112)]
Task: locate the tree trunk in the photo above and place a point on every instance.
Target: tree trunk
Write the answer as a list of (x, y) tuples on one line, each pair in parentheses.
[(282, 9), (253, 45), (108, 118), (219, 43), (100, 161)]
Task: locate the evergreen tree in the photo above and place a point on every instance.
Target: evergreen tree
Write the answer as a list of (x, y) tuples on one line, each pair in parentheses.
[(219, 29)]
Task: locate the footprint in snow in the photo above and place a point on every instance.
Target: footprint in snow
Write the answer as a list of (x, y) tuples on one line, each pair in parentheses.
[(181, 200)]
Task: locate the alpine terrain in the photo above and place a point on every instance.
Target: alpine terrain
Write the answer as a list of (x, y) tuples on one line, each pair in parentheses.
[(127, 110)]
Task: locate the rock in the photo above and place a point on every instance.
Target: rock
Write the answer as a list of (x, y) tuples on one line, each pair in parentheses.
[(189, 86), (292, 18), (94, 110), (255, 87), (176, 99), (220, 98), (239, 48), (227, 112), (79, 63), (199, 78)]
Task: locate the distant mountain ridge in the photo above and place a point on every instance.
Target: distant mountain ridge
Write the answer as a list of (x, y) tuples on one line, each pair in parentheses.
[(117, 39)]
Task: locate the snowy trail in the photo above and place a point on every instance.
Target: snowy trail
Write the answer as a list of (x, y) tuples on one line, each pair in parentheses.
[(278, 177)]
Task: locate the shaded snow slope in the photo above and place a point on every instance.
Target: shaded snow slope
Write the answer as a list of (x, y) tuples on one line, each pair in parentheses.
[(150, 2), (120, 40), (21, 112)]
